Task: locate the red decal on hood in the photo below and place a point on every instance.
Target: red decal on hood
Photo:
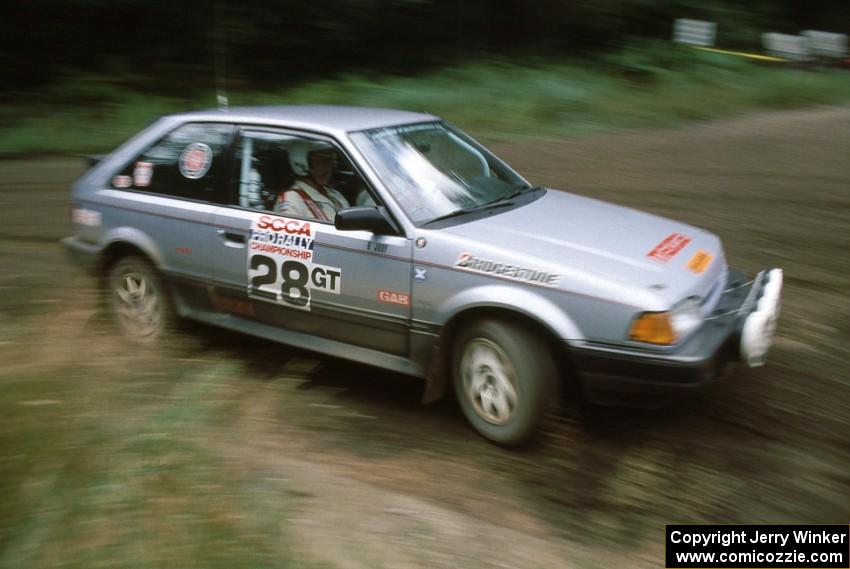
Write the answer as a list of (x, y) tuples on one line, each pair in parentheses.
[(668, 248)]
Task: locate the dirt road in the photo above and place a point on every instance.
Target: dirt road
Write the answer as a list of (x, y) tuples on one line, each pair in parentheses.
[(375, 480)]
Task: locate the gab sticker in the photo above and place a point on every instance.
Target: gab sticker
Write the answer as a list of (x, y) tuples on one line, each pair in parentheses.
[(393, 297), (195, 160)]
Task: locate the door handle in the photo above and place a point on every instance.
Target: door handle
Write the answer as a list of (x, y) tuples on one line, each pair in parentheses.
[(232, 238)]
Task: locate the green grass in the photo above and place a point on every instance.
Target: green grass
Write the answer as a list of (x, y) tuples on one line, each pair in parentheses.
[(656, 85), (119, 463)]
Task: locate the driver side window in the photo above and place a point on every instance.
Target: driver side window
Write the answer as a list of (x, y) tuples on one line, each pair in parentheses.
[(295, 176)]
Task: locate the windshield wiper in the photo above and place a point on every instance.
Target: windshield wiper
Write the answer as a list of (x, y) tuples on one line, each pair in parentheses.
[(517, 192), (464, 211), (512, 195), (523, 190), (501, 202)]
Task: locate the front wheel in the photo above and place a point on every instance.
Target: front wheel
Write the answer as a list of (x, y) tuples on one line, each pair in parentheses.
[(504, 378), (138, 300)]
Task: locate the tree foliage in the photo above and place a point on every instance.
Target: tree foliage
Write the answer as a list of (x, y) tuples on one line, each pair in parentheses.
[(162, 44)]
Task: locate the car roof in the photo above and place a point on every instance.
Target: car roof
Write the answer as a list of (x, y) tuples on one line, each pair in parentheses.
[(334, 119)]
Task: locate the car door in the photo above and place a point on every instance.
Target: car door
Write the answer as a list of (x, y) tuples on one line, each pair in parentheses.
[(303, 274), (165, 198)]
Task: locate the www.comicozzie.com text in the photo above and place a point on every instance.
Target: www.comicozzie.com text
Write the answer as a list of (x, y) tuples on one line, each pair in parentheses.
[(727, 538)]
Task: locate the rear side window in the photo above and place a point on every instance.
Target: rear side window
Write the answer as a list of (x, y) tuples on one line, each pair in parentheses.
[(188, 163)]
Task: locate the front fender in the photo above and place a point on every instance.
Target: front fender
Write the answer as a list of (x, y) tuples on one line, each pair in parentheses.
[(530, 304), (516, 299)]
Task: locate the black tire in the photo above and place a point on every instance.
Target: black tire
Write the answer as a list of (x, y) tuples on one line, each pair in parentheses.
[(138, 301), (489, 352)]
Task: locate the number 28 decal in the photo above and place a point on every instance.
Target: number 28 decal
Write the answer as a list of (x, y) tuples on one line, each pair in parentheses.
[(290, 282)]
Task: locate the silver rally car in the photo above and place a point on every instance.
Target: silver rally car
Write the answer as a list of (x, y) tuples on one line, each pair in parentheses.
[(394, 239)]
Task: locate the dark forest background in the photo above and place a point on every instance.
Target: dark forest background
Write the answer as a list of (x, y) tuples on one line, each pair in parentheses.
[(272, 44)]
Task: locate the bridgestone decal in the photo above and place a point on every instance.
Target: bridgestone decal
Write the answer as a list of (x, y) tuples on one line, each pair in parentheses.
[(470, 262)]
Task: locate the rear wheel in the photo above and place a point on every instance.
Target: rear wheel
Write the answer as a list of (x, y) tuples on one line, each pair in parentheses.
[(137, 300), (505, 380)]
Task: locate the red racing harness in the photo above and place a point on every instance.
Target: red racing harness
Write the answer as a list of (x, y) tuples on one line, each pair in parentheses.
[(311, 204)]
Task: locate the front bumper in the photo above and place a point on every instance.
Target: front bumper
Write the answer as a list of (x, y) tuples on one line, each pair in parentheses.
[(740, 328)]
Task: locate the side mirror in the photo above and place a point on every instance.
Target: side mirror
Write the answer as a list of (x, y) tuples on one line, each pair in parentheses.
[(366, 218)]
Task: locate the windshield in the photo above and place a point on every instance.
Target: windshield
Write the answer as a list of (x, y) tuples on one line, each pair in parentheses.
[(435, 171)]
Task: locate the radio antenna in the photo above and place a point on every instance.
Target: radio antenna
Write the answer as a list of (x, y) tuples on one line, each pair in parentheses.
[(220, 63)]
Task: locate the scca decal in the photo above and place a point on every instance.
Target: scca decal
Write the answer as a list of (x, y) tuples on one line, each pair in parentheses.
[(290, 226), (280, 263), (281, 236), (392, 297)]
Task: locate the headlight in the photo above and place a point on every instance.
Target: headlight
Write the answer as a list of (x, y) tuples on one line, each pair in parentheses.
[(686, 317), (667, 327)]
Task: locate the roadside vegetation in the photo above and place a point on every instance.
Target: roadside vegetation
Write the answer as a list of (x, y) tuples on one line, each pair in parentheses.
[(656, 85), (116, 460)]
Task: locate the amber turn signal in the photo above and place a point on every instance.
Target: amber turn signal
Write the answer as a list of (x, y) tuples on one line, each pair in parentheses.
[(653, 327)]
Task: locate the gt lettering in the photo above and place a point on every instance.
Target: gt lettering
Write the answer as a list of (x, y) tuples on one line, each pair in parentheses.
[(325, 279)]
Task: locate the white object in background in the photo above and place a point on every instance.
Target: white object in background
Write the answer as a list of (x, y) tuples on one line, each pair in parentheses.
[(795, 48), (694, 32), (826, 44)]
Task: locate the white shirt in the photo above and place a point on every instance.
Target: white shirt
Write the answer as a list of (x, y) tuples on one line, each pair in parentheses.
[(292, 203)]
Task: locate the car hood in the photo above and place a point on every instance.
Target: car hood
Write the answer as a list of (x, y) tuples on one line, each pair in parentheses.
[(601, 249)]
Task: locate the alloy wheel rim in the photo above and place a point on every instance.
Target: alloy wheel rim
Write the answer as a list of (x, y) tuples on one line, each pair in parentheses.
[(489, 381), (138, 305)]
